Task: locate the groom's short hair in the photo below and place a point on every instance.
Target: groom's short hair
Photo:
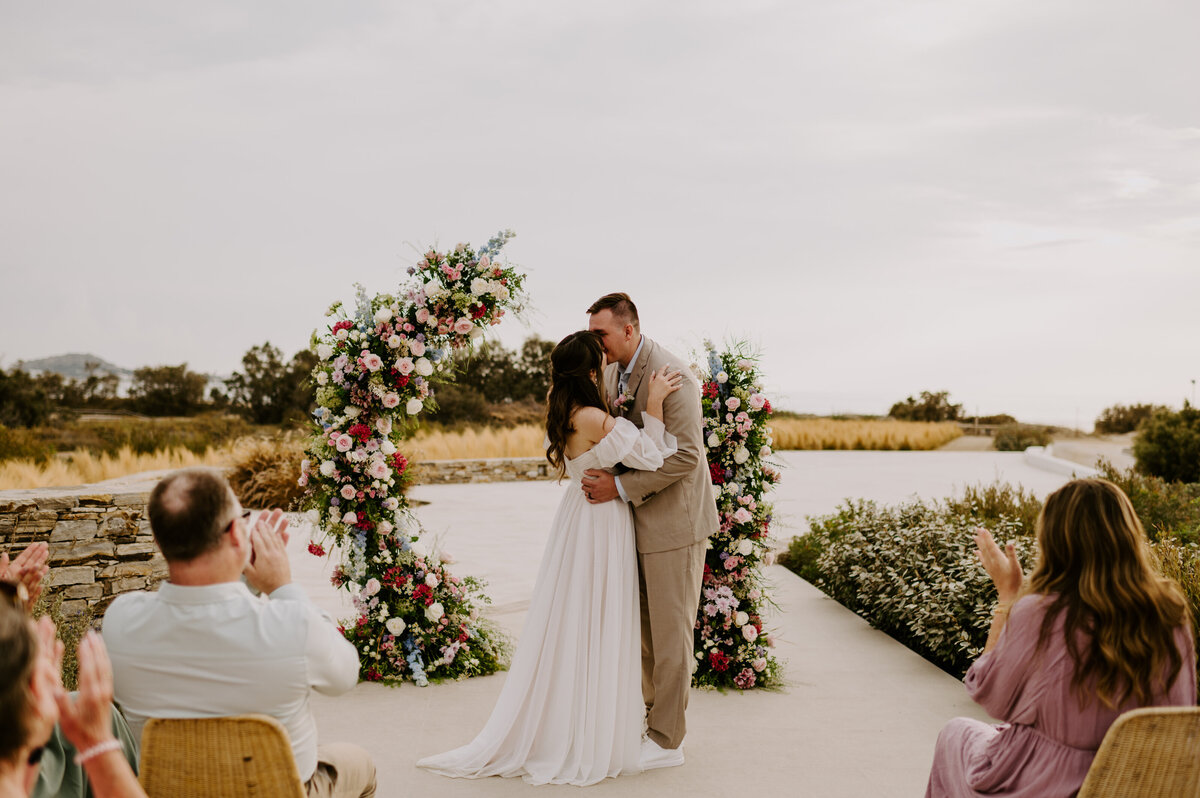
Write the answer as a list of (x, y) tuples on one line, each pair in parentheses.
[(622, 308)]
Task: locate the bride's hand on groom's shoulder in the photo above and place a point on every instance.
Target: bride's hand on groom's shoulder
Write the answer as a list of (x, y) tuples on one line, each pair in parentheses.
[(663, 383)]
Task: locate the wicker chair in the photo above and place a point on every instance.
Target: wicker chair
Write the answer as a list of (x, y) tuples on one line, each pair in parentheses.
[(244, 755), (1148, 752)]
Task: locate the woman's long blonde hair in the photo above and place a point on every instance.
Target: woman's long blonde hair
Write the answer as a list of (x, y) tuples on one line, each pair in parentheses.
[(1096, 562)]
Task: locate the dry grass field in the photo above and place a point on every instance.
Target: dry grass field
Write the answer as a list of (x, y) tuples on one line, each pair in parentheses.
[(874, 434), (259, 461), (84, 468)]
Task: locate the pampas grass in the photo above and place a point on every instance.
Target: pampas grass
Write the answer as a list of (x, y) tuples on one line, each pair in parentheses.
[(265, 471), (83, 468), (888, 434)]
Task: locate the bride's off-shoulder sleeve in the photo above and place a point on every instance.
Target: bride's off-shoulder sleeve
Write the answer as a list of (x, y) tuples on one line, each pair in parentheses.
[(643, 449)]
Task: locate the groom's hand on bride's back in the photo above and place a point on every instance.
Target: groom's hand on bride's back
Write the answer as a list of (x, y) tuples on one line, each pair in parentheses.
[(598, 486)]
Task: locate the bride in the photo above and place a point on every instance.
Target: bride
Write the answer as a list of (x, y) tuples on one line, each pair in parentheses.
[(570, 710)]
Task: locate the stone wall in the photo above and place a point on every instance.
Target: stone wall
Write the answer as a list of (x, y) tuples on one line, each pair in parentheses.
[(100, 543), (514, 469)]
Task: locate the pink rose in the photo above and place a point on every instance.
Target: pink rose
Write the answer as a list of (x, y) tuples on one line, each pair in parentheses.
[(422, 315), (463, 326), (759, 664), (348, 492), (405, 365), (391, 399), (756, 401), (373, 362), (344, 443), (378, 469), (742, 516), (733, 403)]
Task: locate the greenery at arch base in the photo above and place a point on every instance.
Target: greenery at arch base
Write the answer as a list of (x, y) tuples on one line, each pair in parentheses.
[(376, 364)]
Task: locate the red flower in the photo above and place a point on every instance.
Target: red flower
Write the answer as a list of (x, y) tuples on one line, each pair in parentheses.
[(316, 550), (717, 471), (709, 390), (401, 380), (718, 661), (767, 406), (399, 463), (423, 593), (478, 312), (342, 325), (360, 431)]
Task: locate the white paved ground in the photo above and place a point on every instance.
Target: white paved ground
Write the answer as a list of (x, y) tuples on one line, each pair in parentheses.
[(858, 716)]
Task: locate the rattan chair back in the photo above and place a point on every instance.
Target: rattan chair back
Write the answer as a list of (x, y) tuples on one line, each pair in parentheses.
[(243, 755), (1148, 752)]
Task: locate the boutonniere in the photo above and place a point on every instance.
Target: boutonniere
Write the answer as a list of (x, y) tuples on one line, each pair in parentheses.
[(620, 402)]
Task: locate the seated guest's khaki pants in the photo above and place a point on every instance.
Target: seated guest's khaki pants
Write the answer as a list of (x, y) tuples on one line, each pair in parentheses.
[(343, 771)]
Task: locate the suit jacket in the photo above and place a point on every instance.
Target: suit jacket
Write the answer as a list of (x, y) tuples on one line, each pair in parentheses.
[(673, 506)]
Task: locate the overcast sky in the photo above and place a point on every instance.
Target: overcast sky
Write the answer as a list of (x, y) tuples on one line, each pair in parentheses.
[(999, 198)]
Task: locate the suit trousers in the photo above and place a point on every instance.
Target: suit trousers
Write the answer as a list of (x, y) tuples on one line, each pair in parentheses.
[(670, 584), (343, 771)]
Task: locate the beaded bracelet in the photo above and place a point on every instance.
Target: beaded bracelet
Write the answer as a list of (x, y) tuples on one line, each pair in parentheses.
[(97, 749)]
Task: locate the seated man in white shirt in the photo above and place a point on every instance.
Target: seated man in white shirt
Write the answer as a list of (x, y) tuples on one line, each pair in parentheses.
[(204, 646)]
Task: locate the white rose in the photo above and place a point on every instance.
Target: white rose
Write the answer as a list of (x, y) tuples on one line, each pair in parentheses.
[(396, 626), (744, 546), (432, 580), (388, 448), (479, 286), (327, 468), (342, 334), (371, 587), (395, 341), (741, 619), (322, 378), (750, 632), (418, 549), (745, 365), (414, 406), (352, 411), (435, 611), (385, 527), (722, 377), (384, 425), (741, 455), (764, 452), (424, 367), (417, 348), (713, 441), (732, 488), (324, 351), (383, 315), (391, 502)]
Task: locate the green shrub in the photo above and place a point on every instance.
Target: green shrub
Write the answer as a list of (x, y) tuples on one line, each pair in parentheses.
[(1119, 419), (1168, 445), (1166, 509), (144, 435), (1019, 437), (21, 444), (912, 572), (928, 407), (1181, 562), (990, 504)]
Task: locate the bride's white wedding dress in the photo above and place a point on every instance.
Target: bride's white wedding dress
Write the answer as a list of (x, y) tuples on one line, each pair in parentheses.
[(570, 710)]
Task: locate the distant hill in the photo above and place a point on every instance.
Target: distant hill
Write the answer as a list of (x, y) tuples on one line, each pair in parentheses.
[(74, 366)]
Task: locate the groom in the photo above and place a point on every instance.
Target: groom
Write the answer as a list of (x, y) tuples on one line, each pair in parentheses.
[(673, 513)]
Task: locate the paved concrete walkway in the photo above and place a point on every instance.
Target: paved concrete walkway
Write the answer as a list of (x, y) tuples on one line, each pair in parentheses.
[(859, 713)]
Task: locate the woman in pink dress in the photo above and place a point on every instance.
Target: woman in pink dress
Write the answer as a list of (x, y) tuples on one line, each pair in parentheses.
[(1094, 633)]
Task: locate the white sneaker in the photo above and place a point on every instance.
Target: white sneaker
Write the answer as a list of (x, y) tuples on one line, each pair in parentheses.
[(655, 756)]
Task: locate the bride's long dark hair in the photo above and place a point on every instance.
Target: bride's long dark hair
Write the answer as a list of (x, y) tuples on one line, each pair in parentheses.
[(575, 368)]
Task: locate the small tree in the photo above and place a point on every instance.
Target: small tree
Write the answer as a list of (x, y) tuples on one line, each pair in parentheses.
[(929, 407), (24, 402), (167, 390), (1120, 419), (269, 391), (1168, 445)]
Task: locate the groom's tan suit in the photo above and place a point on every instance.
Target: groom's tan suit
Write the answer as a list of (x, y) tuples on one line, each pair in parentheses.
[(673, 513)]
